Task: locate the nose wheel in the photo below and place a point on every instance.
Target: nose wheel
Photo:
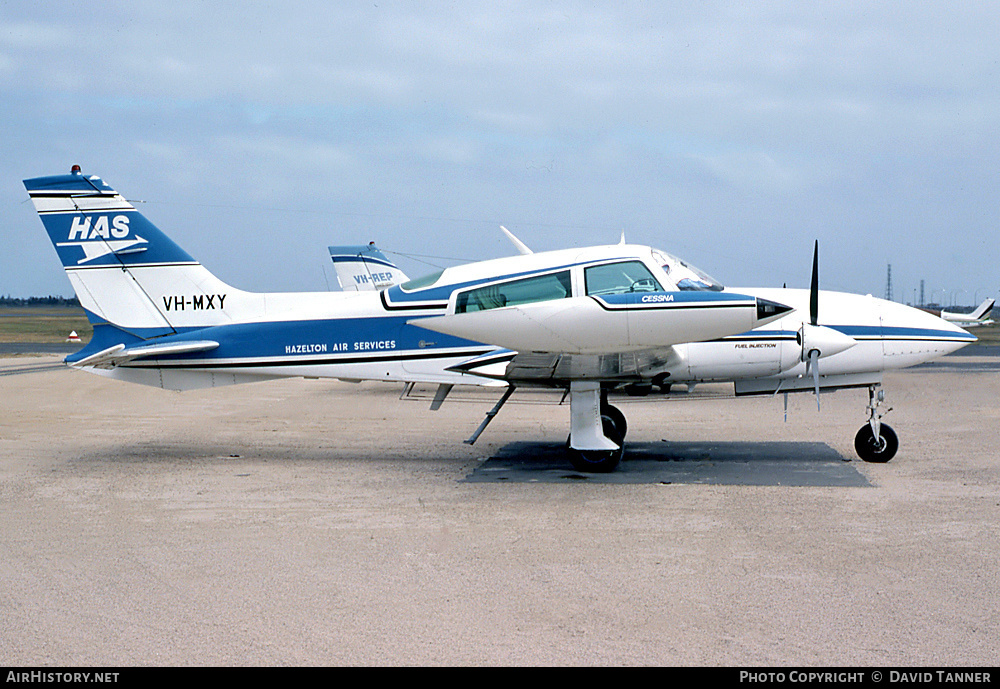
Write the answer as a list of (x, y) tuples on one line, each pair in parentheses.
[(876, 441), (872, 448)]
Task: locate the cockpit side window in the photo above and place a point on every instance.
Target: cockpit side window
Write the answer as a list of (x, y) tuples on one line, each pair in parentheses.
[(618, 278), (514, 292)]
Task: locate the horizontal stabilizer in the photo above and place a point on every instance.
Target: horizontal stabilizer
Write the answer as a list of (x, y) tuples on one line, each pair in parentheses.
[(120, 354)]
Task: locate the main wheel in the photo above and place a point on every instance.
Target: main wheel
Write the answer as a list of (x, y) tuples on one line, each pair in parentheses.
[(872, 449), (595, 461), (615, 425)]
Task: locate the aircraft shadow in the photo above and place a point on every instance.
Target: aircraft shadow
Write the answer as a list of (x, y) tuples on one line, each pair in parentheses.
[(668, 462)]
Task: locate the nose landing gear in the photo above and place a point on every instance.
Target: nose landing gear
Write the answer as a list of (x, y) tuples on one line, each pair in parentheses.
[(876, 441)]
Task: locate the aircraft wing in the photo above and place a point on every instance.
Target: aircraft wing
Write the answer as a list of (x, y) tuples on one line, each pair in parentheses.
[(549, 368)]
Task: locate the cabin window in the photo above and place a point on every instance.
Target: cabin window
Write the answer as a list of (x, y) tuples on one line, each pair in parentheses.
[(619, 278), (514, 292)]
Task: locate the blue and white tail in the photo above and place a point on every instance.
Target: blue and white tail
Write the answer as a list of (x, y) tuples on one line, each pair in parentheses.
[(125, 271), (364, 268)]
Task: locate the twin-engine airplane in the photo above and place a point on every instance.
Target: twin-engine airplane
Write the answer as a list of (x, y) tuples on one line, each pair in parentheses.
[(585, 320)]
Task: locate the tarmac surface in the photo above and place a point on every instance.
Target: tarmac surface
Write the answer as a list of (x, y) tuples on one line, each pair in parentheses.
[(307, 522)]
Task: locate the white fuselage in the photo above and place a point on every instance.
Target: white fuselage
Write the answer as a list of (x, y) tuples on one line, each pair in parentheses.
[(357, 339)]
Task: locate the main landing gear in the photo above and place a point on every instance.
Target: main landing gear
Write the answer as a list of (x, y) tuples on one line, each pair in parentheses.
[(876, 441), (597, 430)]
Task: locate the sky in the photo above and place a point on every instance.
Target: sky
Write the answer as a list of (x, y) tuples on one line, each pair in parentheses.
[(731, 134)]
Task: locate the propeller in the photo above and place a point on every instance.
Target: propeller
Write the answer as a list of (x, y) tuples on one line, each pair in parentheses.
[(817, 340), (814, 288), (813, 361)]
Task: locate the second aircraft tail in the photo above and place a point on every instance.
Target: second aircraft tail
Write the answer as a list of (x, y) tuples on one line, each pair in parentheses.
[(364, 268)]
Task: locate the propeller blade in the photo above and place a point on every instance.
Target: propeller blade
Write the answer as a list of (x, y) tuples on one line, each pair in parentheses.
[(814, 288), (814, 364)]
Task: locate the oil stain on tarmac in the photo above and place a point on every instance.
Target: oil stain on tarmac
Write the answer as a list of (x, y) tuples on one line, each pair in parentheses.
[(667, 462)]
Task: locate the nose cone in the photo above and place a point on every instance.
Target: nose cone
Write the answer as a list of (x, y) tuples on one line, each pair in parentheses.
[(917, 336), (768, 310), (954, 337)]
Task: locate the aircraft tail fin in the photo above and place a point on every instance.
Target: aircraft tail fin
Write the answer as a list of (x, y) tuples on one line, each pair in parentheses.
[(983, 310), (364, 268), (126, 273)]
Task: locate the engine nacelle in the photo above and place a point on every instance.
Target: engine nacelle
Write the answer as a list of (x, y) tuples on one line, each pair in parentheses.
[(822, 339)]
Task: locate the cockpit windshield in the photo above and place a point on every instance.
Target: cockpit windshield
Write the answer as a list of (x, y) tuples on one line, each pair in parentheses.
[(684, 276)]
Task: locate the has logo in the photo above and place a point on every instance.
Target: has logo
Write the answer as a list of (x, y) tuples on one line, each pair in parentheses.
[(102, 227), (101, 236)]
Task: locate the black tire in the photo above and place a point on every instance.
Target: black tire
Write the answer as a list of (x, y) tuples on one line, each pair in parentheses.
[(871, 450), (595, 461), (615, 425)]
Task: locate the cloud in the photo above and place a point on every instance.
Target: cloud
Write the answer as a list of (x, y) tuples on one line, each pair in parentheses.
[(714, 125)]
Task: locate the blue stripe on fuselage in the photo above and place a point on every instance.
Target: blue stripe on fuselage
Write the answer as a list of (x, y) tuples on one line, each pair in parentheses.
[(310, 339), (881, 332)]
